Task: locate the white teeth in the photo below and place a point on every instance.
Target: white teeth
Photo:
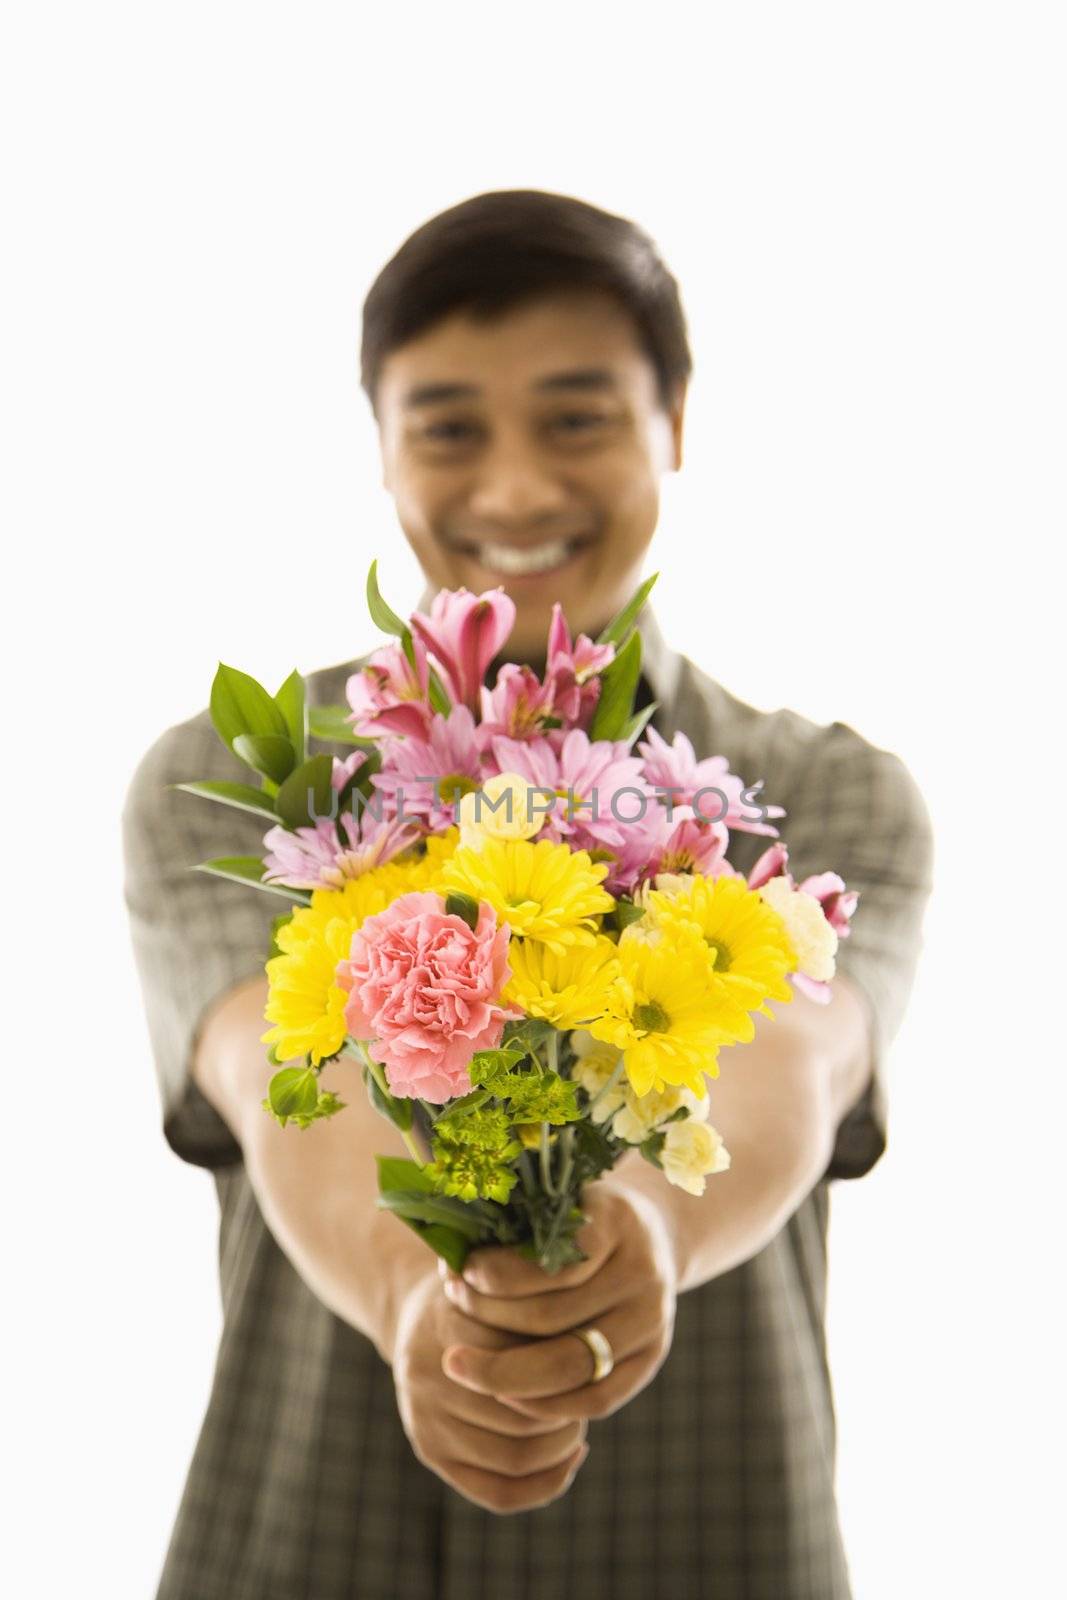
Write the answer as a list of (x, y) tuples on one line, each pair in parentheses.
[(518, 563)]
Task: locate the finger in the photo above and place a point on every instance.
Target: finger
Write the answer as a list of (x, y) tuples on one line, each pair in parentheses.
[(514, 1458), (507, 1495), (555, 1365), (499, 1270), (597, 1400), (548, 1313), (495, 1415)]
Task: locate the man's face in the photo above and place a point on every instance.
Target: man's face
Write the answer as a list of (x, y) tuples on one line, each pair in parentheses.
[(526, 452)]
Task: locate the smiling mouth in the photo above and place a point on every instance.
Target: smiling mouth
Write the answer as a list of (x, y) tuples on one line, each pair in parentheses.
[(511, 561)]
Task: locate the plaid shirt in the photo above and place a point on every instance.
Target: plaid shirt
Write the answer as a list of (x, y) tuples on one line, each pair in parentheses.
[(717, 1480)]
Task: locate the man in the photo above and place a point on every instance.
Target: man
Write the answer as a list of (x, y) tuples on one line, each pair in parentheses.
[(526, 359)]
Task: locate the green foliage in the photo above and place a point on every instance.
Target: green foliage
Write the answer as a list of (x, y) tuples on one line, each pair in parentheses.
[(651, 1148), (619, 626), (241, 706), (394, 1108), (464, 907), (334, 724), (624, 913), (637, 722), (307, 793), (384, 617), (291, 702), (249, 870), (490, 1067), (275, 949), (547, 1098), (293, 1096), (618, 683), (241, 795), (269, 754), (438, 695)]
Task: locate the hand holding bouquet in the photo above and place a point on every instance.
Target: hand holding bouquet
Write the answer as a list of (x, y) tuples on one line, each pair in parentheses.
[(512, 907)]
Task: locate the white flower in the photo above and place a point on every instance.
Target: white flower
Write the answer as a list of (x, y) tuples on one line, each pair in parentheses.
[(811, 936), (690, 1150), (500, 809), (594, 1064), (641, 1114)]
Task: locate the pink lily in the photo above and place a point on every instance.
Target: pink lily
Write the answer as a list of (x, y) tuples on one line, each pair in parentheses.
[(518, 705), (572, 671), (389, 695), (464, 632)]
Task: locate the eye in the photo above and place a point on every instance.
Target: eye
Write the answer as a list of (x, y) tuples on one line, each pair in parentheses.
[(579, 421), (449, 432)]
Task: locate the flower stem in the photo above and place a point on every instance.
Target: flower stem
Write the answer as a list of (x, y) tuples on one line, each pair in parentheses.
[(606, 1086), (546, 1163), (377, 1072)]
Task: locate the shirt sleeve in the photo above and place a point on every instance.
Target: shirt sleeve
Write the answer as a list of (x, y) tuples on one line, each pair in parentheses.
[(860, 813), (195, 936)]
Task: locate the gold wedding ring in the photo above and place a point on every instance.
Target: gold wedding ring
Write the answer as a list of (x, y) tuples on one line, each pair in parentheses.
[(603, 1355)]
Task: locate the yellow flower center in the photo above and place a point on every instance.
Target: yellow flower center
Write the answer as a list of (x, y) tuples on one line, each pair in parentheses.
[(723, 956)]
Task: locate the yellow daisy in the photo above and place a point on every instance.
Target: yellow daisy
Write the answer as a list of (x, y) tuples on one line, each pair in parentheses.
[(663, 1016), (304, 1003), (544, 891), (567, 989), (747, 939), (423, 869)]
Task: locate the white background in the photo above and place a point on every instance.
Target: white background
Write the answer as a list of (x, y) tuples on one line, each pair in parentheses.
[(861, 204)]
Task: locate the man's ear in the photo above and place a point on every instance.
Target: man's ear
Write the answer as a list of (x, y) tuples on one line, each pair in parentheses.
[(676, 412)]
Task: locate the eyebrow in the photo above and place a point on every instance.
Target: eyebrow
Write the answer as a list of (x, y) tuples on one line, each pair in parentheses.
[(580, 378)]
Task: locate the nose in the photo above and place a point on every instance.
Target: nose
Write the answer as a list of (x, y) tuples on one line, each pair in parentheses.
[(514, 488)]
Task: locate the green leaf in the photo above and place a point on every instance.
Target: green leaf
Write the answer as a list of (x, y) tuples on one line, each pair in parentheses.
[(249, 870), (525, 1036), (399, 1172), (438, 695), (462, 905), (291, 1091), (447, 1242), (290, 701), (241, 795), (327, 1105), (382, 615), (618, 683), (439, 1208), (307, 793), (625, 912), (619, 626), (275, 949), (489, 1066), (334, 724), (637, 722), (269, 754), (397, 1111), (241, 705), (651, 1148)]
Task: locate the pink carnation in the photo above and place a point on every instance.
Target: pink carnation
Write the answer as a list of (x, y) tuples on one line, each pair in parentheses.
[(425, 987)]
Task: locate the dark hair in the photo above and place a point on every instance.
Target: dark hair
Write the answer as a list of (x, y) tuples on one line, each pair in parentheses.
[(494, 251)]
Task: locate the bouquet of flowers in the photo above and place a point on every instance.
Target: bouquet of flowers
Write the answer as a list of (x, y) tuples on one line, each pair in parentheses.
[(511, 906)]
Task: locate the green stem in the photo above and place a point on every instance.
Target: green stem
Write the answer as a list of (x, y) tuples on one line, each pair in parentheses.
[(378, 1074), (546, 1163)]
